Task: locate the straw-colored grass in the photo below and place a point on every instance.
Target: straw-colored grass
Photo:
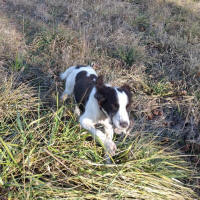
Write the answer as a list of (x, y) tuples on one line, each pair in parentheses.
[(16, 98), (151, 45), (49, 156)]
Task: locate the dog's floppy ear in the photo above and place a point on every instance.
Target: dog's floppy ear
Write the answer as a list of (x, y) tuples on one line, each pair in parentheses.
[(99, 85), (99, 82)]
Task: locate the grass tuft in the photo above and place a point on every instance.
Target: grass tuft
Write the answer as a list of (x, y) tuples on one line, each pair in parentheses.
[(60, 160), (162, 88), (16, 98), (128, 55)]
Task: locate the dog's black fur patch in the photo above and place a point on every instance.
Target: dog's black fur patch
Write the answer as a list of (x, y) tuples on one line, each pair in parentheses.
[(83, 87), (106, 97)]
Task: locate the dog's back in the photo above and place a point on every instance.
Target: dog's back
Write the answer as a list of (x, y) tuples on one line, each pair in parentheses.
[(84, 84), (79, 81)]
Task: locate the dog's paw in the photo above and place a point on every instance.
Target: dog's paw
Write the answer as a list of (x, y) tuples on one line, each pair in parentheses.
[(118, 131), (110, 147)]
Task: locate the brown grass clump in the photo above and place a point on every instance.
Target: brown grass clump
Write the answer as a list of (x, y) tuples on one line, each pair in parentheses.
[(16, 98), (12, 43)]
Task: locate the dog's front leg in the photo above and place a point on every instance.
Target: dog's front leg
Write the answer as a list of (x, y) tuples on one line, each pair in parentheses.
[(109, 136), (98, 135), (108, 129)]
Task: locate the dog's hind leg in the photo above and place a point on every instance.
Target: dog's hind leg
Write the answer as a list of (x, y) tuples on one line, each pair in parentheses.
[(77, 111), (64, 95), (69, 86), (69, 78)]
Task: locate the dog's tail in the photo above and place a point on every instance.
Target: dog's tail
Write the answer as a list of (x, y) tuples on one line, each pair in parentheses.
[(65, 74)]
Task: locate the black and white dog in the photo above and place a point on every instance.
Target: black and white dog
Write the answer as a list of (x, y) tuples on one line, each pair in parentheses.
[(98, 103)]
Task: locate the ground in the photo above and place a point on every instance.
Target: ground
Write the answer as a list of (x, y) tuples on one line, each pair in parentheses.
[(153, 46)]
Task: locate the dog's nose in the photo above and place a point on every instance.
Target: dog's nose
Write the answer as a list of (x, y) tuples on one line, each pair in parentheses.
[(123, 124)]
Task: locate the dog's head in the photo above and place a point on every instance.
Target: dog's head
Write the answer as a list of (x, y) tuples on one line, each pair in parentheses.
[(114, 102)]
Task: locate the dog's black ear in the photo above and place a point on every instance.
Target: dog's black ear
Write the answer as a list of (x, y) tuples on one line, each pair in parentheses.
[(99, 93), (99, 82)]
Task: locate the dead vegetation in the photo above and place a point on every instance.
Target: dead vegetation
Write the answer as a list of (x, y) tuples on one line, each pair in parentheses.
[(154, 46)]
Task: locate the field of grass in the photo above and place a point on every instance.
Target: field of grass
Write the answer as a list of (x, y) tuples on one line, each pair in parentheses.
[(152, 45)]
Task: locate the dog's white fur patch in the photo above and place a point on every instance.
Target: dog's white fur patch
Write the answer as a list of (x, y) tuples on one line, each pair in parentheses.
[(122, 115)]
